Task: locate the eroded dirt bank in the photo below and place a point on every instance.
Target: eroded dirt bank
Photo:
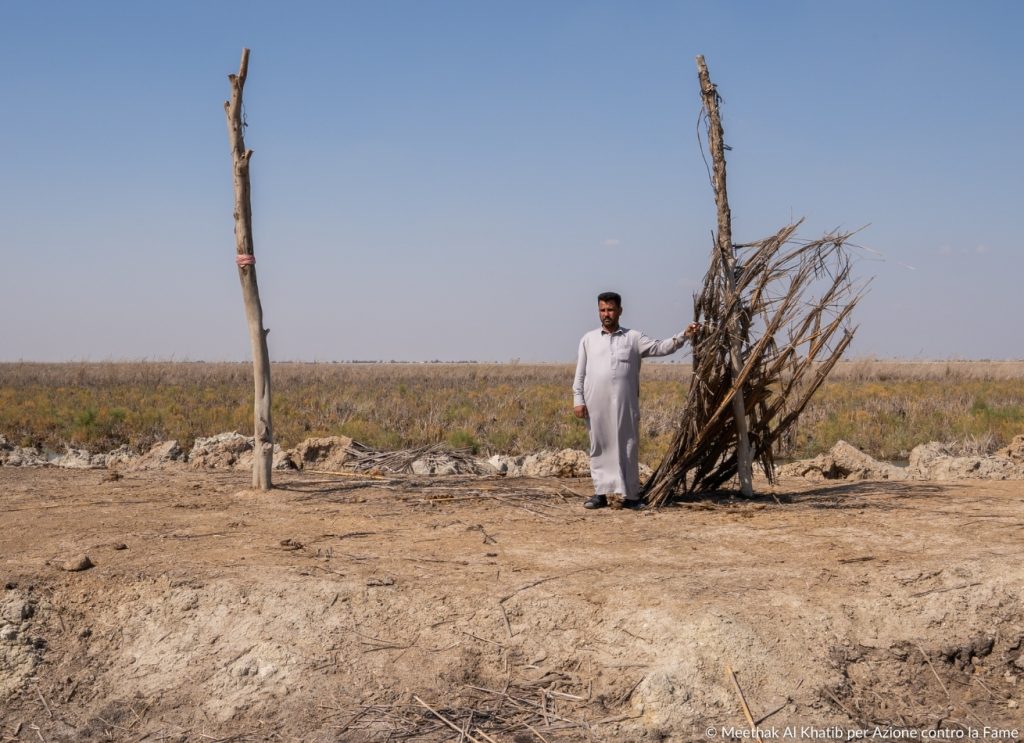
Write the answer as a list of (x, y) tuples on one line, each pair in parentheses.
[(341, 608)]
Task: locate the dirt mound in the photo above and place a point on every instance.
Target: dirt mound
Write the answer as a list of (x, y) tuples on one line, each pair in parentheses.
[(121, 457), (933, 461), (324, 453), (563, 463), (232, 449), (220, 450), (1015, 450), (80, 459), (159, 456), (19, 456), (843, 462)]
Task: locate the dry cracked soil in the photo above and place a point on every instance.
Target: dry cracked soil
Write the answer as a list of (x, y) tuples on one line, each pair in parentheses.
[(345, 608)]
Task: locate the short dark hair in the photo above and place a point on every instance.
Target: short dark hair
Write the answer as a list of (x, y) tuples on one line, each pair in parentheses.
[(610, 297)]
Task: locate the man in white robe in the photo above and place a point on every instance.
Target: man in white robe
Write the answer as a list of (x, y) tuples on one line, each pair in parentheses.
[(606, 394)]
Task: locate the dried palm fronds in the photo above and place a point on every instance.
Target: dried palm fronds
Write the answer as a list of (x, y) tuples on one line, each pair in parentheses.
[(362, 458), (793, 300)]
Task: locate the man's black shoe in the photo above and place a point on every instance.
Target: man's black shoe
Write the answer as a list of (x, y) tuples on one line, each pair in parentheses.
[(634, 504), (596, 501)]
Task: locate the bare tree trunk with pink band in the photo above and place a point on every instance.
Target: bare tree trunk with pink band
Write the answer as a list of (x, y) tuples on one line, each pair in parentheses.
[(245, 260)]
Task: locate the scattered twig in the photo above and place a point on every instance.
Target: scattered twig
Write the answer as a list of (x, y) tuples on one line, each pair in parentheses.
[(529, 704), (49, 712), (445, 720), (525, 508), (936, 675), (731, 674), (366, 475), (564, 695), (352, 719), (983, 686), (778, 709), (537, 582), (638, 637), (533, 730), (944, 687), (944, 590), (364, 459), (617, 718), (138, 717), (839, 704), (629, 692), (481, 639), (504, 616)]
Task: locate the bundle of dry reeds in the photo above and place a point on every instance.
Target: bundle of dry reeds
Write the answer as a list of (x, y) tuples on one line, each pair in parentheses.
[(793, 300)]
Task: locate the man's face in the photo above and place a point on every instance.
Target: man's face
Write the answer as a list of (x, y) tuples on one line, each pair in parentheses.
[(609, 313)]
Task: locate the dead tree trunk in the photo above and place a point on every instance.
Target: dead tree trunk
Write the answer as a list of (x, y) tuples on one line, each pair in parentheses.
[(264, 439), (710, 96)]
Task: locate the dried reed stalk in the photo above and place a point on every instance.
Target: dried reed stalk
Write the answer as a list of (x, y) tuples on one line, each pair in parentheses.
[(795, 300)]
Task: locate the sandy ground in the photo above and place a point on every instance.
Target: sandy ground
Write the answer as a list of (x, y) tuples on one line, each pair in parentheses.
[(480, 609)]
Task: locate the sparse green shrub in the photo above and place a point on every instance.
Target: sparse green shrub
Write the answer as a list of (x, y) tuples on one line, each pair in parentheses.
[(462, 439)]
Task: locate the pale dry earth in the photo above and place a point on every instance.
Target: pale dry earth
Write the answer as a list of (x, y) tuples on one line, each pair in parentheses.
[(338, 607)]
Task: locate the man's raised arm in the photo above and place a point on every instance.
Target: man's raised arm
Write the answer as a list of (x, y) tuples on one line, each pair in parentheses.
[(653, 347)]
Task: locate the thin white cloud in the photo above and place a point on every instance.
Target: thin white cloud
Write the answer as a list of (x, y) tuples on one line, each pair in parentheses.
[(612, 242), (981, 249)]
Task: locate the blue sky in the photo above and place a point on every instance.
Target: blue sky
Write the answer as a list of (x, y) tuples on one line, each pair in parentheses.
[(458, 180)]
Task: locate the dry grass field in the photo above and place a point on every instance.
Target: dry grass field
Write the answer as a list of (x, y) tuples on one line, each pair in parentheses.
[(883, 407)]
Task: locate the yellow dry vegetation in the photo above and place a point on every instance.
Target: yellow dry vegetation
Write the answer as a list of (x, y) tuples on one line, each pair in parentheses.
[(883, 407)]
